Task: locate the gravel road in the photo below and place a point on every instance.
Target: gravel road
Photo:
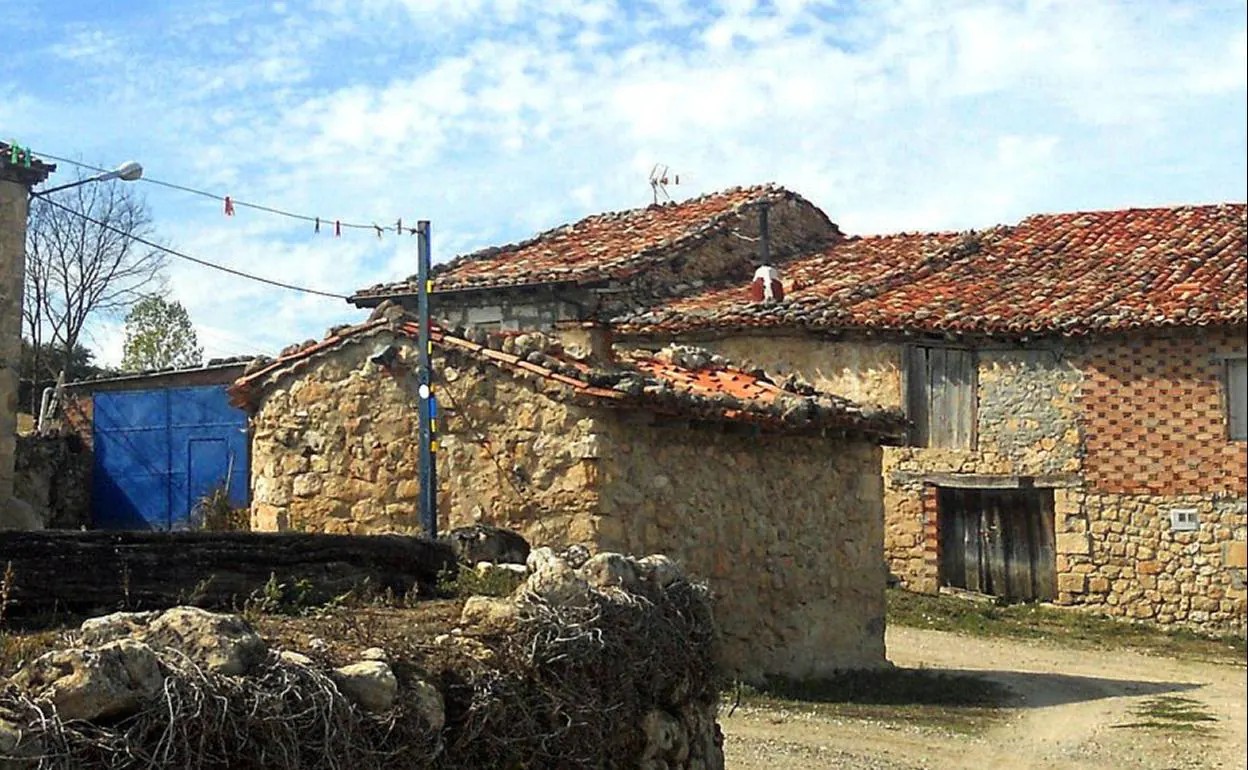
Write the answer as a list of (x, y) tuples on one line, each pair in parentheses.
[(1073, 712)]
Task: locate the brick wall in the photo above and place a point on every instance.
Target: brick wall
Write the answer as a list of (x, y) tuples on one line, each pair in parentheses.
[(1153, 415)]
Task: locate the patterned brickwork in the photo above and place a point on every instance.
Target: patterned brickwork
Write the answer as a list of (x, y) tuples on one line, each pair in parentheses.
[(1154, 415)]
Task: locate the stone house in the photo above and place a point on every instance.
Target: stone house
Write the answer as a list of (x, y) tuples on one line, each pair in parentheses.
[(1075, 382), (18, 174), (618, 262), (1076, 385), (771, 493)]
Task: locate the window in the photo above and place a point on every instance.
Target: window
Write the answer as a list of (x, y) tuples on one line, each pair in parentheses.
[(1184, 520), (940, 396), (1237, 398)]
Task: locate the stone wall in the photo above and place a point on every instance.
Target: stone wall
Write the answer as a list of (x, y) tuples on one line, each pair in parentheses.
[(1124, 429), (1027, 425), (53, 476), (1118, 555), (787, 530), (334, 450), (13, 203)]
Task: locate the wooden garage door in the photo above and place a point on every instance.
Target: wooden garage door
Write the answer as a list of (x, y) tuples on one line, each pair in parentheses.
[(998, 542)]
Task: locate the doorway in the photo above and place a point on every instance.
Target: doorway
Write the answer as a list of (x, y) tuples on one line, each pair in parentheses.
[(998, 542)]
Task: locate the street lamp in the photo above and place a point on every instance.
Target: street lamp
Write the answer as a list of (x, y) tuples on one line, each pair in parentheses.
[(126, 172)]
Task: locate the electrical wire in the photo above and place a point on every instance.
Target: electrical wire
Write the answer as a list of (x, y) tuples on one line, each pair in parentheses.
[(327, 221), (189, 258)]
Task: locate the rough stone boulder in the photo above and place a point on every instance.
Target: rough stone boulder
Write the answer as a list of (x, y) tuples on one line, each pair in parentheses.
[(658, 569), (609, 570), (489, 614), (370, 684), (111, 680), (555, 582), (224, 644), (479, 542)]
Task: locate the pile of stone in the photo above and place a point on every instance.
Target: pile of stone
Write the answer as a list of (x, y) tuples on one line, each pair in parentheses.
[(593, 661), (190, 688)]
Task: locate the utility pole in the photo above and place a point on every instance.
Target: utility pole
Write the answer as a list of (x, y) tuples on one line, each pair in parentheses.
[(424, 379)]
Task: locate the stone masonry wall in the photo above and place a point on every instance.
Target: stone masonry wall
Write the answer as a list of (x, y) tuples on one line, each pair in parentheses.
[(334, 450), (53, 476), (787, 530), (1027, 424), (1118, 555), (12, 260), (1124, 429)]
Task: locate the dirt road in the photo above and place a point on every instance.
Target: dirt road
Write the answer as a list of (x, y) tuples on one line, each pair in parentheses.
[(1074, 711)]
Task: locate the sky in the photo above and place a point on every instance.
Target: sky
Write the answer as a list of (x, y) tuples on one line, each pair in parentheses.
[(496, 119)]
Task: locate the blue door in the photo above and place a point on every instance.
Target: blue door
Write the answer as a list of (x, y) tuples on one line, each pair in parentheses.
[(158, 452)]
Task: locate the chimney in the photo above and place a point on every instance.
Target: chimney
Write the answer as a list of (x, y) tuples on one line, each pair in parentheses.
[(588, 341), (766, 286)]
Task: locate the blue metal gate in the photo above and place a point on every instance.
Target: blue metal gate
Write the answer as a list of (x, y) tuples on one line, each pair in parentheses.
[(158, 452)]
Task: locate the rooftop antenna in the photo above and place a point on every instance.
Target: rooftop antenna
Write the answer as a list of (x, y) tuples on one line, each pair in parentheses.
[(659, 180)]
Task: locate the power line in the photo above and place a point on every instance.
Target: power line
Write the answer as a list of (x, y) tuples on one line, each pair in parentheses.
[(189, 258), (231, 202)]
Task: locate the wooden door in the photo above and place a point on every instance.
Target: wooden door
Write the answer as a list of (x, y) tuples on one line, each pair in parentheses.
[(998, 542)]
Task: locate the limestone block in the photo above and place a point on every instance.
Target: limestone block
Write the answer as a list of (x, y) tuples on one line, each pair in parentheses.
[(1072, 583), (219, 642), (111, 680), (1235, 554), (1073, 543), (489, 613), (371, 684), (428, 702)]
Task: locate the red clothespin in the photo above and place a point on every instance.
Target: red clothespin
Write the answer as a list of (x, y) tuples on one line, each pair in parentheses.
[(229, 207), (317, 227), (337, 228)]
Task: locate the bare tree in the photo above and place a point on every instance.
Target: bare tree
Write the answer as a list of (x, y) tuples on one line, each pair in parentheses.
[(77, 269)]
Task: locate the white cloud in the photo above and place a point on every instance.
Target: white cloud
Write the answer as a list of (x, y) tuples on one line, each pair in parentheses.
[(497, 118)]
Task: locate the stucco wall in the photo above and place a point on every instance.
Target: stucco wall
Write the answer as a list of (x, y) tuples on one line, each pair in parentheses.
[(866, 372), (788, 531)]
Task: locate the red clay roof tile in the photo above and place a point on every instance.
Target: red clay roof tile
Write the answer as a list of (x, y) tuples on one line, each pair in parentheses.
[(1066, 273), (714, 391), (599, 247)]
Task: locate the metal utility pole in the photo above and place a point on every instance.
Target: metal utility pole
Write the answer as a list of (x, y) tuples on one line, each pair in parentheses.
[(424, 379)]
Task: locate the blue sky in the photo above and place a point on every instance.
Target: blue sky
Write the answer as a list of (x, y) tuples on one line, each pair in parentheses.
[(499, 118)]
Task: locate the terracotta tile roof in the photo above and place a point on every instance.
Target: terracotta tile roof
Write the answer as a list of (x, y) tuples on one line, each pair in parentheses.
[(1063, 273), (612, 245), (684, 382)]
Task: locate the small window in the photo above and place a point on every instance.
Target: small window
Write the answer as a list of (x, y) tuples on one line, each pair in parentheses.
[(1237, 398), (1184, 520), (941, 396)]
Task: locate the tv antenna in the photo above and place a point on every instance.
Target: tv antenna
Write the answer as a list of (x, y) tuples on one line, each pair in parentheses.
[(659, 180)]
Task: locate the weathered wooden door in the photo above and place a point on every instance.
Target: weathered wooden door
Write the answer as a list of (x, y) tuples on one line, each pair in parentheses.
[(998, 542)]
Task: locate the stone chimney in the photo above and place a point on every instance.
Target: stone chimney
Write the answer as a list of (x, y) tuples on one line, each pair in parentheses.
[(18, 174), (587, 341), (766, 286)]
